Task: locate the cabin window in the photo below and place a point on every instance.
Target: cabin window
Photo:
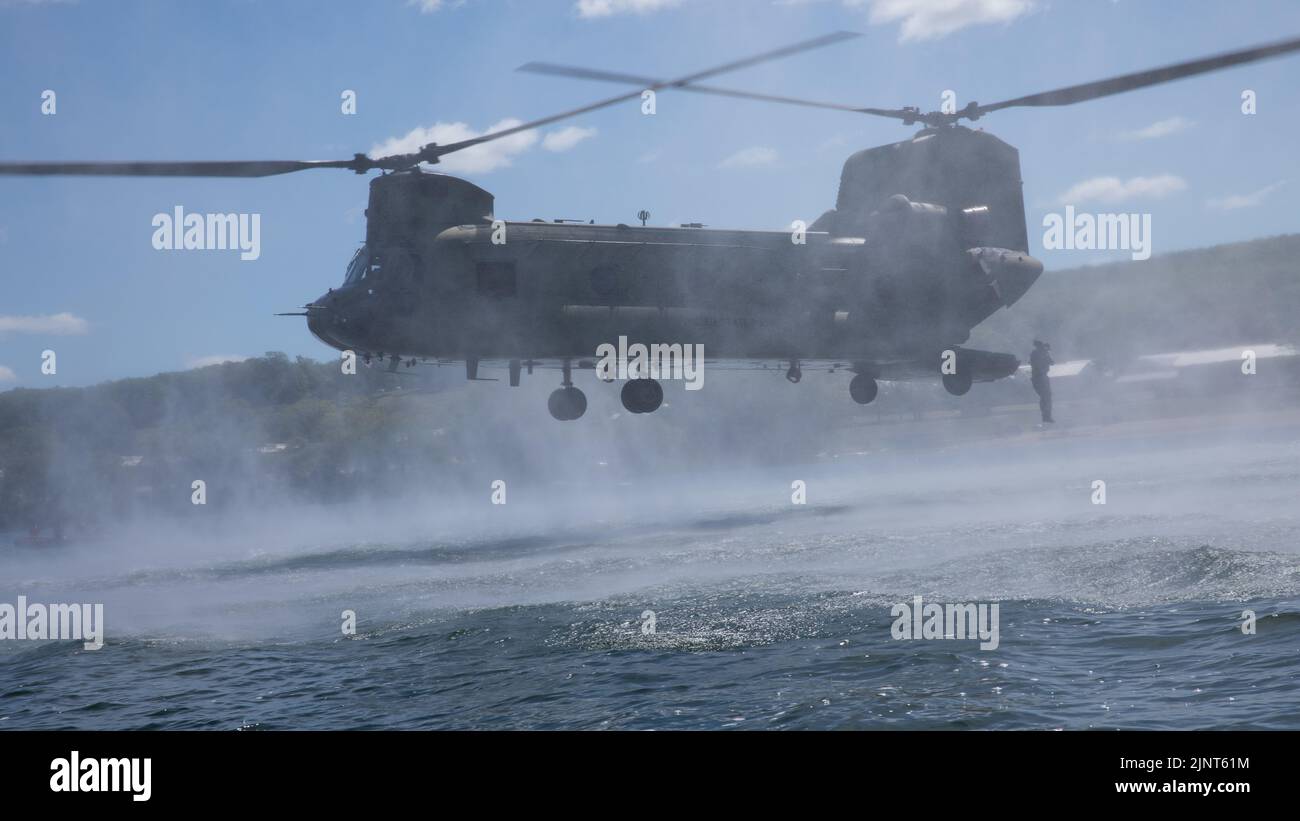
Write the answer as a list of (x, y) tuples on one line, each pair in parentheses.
[(357, 267), (497, 279)]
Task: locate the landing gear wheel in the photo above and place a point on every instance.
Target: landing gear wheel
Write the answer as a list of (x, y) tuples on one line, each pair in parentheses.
[(642, 395), (957, 384), (567, 404), (863, 389)]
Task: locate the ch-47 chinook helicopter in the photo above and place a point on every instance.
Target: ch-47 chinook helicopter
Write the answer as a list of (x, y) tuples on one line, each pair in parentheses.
[(926, 240)]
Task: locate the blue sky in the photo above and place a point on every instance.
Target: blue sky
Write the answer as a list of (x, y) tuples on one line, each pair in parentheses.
[(257, 79)]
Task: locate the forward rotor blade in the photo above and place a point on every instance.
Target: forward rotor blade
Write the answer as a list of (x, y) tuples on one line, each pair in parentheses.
[(236, 168), (745, 62), (361, 163), (1141, 79), (556, 70)]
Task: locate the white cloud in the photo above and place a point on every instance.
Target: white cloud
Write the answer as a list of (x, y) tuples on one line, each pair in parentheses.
[(215, 359), (566, 138), (1113, 189), (63, 324), (1234, 201), (932, 19), (750, 157), (430, 6), (479, 159), (609, 8), (7, 374), (1163, 128)]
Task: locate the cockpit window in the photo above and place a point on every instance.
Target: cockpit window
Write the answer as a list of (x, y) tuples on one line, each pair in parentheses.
[(358, 266)]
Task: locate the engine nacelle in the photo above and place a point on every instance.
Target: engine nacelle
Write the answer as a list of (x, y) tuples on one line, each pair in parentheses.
[(1011, 273)]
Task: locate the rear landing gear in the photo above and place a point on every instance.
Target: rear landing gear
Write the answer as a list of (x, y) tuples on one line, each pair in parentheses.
[(567, 403), (863, 389), (795, 373), (642, 395)]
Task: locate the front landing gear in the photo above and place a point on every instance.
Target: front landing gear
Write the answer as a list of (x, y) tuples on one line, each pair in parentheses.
[(957, 384), (567, 403), (642, 395)]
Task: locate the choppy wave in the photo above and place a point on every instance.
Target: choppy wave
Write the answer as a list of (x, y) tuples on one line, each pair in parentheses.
[(766, 614)]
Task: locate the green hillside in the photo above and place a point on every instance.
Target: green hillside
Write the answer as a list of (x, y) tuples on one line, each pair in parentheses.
[(1247, 292)]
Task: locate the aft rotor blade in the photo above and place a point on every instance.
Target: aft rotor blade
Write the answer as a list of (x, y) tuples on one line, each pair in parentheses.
[(735, 65), (1141, 79), (557, 70)]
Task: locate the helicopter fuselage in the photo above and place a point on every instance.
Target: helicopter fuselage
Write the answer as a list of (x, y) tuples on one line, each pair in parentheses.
[(883, 281), (545, 290)]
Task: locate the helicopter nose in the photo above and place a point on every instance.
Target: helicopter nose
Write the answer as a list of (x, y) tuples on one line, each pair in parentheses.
[(1011, 273), (320, 317)]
